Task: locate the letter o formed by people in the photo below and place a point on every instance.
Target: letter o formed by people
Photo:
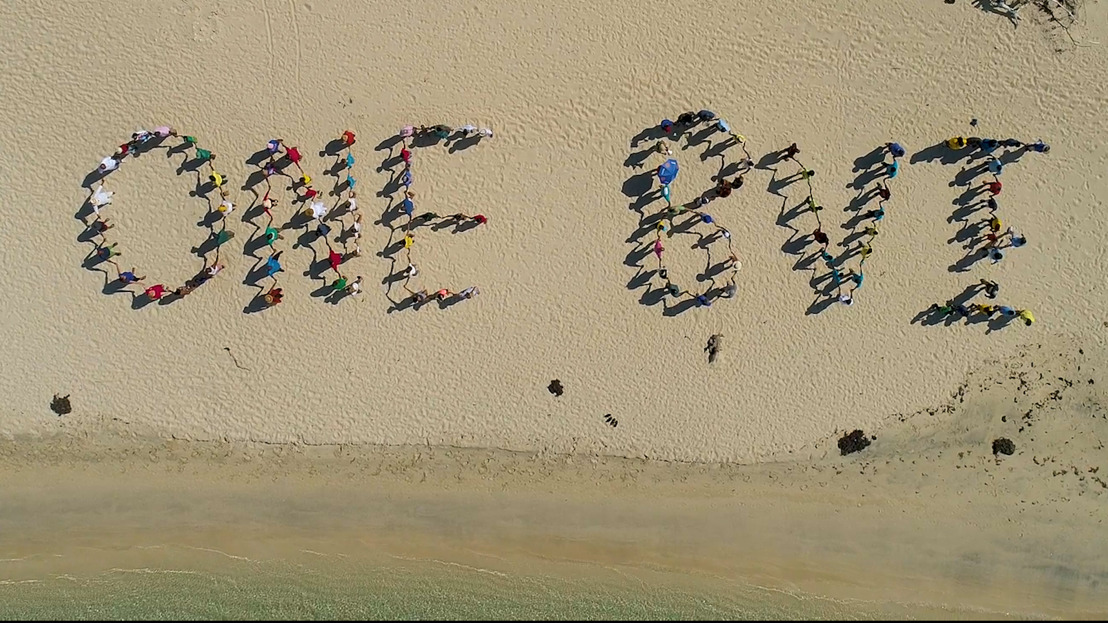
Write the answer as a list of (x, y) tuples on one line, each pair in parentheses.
[(100, 229)]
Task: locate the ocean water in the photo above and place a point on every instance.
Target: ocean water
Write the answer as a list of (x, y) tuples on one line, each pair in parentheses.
[(333, 587)]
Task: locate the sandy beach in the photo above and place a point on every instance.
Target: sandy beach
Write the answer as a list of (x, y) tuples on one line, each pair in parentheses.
[(455, 397)]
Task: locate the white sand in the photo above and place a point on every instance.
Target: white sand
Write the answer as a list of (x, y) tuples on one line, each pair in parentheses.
[(565, 86)]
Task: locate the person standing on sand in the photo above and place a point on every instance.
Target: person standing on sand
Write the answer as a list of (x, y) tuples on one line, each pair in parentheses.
[(791, 151), (355, 288), (1026, 316), (687, 119), (895, 149), (273, 266), (274, 296), (1039, 146), (128, 277), (107, 252), (820, 237), (469, 292), (892, 169), (991, 288), (107, 165), (702, 301), (100, 225), (155, 292), (100, 198), (883, 192)]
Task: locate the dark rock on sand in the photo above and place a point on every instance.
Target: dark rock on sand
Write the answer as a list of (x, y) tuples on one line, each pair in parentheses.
[(555, 387), (1003, 445), (60, 405), (852, 442)]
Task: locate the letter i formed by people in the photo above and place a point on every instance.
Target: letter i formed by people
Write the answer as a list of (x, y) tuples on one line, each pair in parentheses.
[(410, 226)]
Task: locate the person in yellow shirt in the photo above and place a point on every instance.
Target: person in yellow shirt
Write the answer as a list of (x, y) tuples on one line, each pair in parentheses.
[(1026, 316), (958, 142), (408, 241)]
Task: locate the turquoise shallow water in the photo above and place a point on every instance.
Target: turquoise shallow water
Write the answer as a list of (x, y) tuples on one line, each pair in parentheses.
[(334, 588)]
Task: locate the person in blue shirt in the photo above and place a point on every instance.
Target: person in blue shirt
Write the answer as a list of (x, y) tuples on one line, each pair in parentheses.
[(895, 149), (893, 168)]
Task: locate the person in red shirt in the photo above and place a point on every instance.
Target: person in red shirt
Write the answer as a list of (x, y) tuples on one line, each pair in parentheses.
[(406, 155), (293, 154), (993, 187), (347, 138), (155, 292), (335, 260), (480, 218)]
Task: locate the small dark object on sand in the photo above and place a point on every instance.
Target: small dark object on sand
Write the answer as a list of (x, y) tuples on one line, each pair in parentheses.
[(611, 420), (973, 121), (556, 388), (855, 441), (715, 343), (60, 405), (1003, 445)]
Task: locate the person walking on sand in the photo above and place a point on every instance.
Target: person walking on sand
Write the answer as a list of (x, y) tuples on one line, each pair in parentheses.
[(791, 151), (895, 149), (1039, 146), (339, 284), (995, 254), (658, 248), (411, 271), (443, 294), (334, 259), (406, 156), (996, 167), (702, 301), (820, 237), (892, 169), (883, 192), (469, 292), (1026, 316), (355, 288), (1015, 239), (865, 251)]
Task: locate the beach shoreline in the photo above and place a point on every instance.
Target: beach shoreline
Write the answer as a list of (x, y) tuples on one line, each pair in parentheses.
[(925, 519)]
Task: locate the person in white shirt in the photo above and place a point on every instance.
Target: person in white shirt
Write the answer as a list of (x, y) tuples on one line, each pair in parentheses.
[(411, 271), (108, 164), (318, 210), (355, 288), (466, 130), (225, 206), (101, 197), (357, 228), (485, 132), (469, 292)]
